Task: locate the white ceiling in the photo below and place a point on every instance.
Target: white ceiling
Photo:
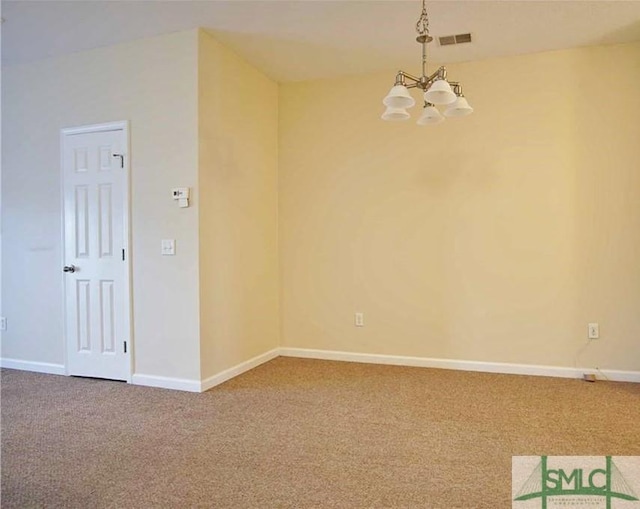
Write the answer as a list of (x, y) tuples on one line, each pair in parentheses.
[(309, 39)]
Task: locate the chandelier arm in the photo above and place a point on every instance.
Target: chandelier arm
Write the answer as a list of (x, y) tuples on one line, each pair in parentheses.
[(441, 74), (408, 76)]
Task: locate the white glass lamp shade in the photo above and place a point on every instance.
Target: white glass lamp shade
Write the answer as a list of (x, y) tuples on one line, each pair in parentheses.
[(460, 108), (440, 93), (430, 115), (395, 114), (399, 97)]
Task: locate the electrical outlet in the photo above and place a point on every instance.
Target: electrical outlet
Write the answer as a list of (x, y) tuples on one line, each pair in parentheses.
[(594, 331), (359, 320), (3, 323)]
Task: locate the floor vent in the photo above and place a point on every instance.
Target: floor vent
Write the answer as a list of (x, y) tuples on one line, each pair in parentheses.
[(448, 40)]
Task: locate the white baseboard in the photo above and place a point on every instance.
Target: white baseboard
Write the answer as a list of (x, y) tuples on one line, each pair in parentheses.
[(183, 384), (614, 375), (227, 374), (486, 367), (165, 382), (189, 385), (38, 367)]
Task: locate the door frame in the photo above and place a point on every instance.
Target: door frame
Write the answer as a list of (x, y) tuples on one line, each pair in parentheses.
[(121, 125)]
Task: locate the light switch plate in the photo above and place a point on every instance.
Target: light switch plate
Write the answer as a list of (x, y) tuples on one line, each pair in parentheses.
[(168, 247)]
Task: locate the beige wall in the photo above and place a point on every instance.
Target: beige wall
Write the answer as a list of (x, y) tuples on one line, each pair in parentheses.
[(238, 160), (152, 83), (496, 237)]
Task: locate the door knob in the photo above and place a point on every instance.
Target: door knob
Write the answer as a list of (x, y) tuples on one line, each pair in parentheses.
[(69, 268)]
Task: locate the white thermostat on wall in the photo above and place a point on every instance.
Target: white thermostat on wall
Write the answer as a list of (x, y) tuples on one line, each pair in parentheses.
[(182, 195)]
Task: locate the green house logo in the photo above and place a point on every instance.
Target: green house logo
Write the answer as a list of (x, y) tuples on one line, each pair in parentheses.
[(585, 482)]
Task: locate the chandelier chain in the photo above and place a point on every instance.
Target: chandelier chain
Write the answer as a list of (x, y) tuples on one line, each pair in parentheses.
[(422, 26)]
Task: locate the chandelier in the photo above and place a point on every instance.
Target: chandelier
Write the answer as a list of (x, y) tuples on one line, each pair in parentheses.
[(437, 89)]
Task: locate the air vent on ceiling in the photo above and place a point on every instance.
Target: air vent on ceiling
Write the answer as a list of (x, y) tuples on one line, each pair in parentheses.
[(448, 40)]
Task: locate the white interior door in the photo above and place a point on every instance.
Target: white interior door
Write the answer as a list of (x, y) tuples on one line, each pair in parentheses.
[(95, 251)]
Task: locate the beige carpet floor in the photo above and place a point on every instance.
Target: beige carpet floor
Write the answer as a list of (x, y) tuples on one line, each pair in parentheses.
[(297, 433)]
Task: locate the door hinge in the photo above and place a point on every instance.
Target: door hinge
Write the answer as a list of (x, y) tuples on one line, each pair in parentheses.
[(125, 347), (123, 255)]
